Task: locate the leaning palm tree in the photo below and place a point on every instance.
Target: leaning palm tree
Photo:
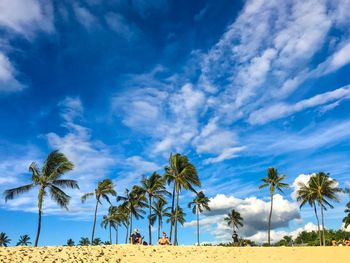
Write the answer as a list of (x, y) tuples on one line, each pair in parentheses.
[(234, 219), (23, 241), (184, 175), (84, 241), (133, 202), (4, 240), (48, 179), (153, 187), (199, 203), (159, 212), (325, 190), (306, 195), (273, 180), (104, 188)]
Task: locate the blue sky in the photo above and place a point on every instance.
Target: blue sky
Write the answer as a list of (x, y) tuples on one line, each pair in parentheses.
[(238, 86)]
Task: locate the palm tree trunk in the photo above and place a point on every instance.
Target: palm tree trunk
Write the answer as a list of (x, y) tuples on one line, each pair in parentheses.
[(269, 226), (127, 232), (318, 225), (175, 219), (172, 212), (197, 226), (130, 225), (159, 221), (116, 235), (110, 233), (323, 232), (149, 220), (94, 224), (40, 207)]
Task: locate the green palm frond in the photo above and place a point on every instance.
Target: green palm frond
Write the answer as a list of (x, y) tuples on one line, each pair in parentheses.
[(12, 193), (60, 197), (66, 183), (86, 196)]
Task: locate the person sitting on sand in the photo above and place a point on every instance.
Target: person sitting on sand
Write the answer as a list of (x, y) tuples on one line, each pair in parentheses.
[(136, 237), (334, 243), (346, 242), (163, 240)]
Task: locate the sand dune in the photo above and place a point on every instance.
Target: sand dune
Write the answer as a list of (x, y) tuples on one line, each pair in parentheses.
[(181, 254)]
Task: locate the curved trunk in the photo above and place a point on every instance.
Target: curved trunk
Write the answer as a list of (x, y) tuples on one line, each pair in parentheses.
[(172, 212), (197, 226), (94, 224), (323, 232), (159, 223), (318, 225), (175, 219), (149, 220), (269, 226), (40, 206), (127, 231)]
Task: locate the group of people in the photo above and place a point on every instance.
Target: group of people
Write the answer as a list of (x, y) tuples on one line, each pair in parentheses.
[(136, 238), (345, 242)]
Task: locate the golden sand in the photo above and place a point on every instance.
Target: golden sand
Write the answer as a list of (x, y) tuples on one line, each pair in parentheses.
[(181, 254)]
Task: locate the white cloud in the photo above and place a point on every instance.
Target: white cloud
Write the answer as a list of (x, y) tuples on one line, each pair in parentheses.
[(280, 110), (120, 25), (302, 178), (254, 212), (26, 17), (339, 59), (8, 81), (84, 16)]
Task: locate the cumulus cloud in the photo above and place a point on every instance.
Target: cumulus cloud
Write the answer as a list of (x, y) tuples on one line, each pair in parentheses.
[(253, 210)]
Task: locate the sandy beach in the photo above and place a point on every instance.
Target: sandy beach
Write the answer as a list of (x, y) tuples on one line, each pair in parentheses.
[(128, 253)]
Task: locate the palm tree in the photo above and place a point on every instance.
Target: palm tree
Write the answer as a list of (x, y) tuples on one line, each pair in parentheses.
[(273, 180), (96, 242), (23, 241), (346, 220), (234, 219), (306, 195), (199, 203), (4, 240), (133, 202), (325, 190), (182, 174), (103, 189), (153, 187), (70, 243), (172, 216), (110, 220), (159, 211), (48, 178), (84, 241)]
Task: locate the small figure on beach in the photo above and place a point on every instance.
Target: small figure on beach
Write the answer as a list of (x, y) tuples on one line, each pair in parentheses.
[(235, 238), (136, 237), (163, 240)]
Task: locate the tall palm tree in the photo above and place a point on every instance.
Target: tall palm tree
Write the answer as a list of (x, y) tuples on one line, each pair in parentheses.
[(84, 241), (159, 212), (23, 241), (234, 219), (119, 217), (199, 203), (153, 187), (104, 188), (325, 189), (133, 202), (306, 195), (48, 179), (184, 175), (4, 240), (273, 180)]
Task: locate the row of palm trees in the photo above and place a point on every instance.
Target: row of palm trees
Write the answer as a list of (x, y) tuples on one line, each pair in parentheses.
[(151, 194), (179, 174), (5, 240)]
